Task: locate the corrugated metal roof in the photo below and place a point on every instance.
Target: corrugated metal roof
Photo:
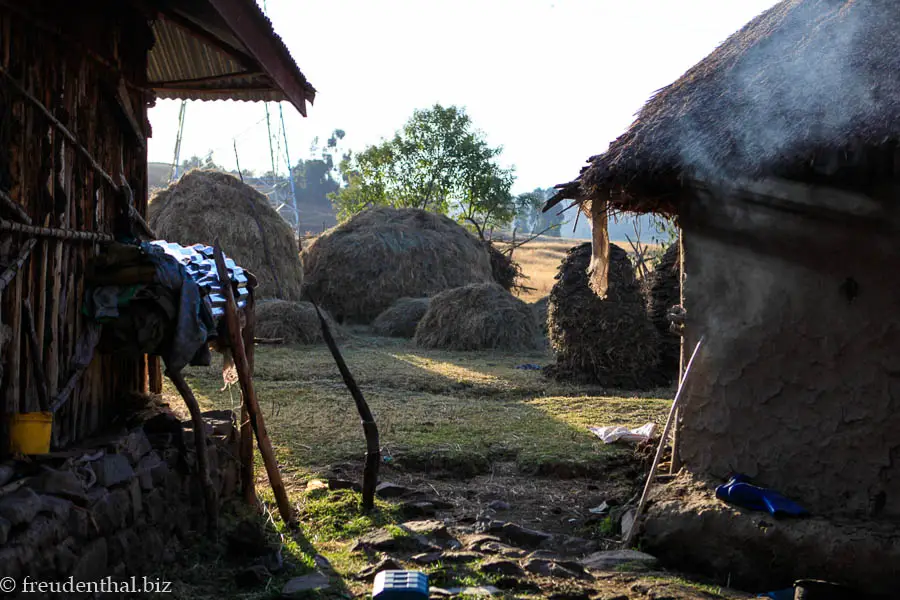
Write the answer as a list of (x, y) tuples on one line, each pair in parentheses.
[(223, 50)]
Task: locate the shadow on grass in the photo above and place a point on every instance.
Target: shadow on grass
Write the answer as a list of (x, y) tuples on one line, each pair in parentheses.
[(442, 413), (213, 569)]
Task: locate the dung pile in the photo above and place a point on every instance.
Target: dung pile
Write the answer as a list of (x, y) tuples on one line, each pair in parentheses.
[(540, 312), (361, 267), (608, 341), (205, 205), (401, 318), (663, 291), (294, 322), (475, 317)]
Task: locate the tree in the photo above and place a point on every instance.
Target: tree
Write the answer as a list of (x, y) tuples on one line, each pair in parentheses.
[(316, 178), (530, 215), (438, 162)]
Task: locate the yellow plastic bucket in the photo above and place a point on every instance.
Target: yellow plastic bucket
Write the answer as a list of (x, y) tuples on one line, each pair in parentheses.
[(29, 433)]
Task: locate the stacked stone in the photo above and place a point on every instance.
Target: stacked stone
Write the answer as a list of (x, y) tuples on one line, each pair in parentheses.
[(117, 509)]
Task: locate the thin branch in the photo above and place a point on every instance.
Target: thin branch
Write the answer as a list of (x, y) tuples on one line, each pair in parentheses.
[(15, 207), (10, 273)]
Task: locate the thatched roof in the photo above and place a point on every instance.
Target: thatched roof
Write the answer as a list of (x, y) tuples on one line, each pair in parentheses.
[(803, 83)]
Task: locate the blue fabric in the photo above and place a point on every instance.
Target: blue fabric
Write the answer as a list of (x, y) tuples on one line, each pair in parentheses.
[(194, 322), (741, 493), (787, 594)]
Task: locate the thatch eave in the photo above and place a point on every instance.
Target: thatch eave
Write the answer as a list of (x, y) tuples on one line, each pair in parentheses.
[(807, 90)]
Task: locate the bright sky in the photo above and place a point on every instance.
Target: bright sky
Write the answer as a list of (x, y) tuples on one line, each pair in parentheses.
[(552, 81)]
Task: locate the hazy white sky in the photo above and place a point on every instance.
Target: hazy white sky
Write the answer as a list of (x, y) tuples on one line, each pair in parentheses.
[(552, 81)]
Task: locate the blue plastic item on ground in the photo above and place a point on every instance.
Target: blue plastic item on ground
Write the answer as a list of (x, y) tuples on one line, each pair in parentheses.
[(742, 493), (400, 585), (787, 594)]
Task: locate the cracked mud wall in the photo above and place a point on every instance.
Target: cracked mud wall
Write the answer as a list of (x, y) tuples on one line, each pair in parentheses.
[(798, 385)]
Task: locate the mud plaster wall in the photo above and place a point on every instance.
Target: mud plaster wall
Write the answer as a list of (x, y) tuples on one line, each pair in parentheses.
[(798, 386)]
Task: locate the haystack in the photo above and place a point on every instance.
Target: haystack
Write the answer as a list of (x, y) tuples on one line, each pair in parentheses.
[(401, 318), (361, 267), (205, 205), (294, 322), (663, 290), (608, 341), (476, 317)]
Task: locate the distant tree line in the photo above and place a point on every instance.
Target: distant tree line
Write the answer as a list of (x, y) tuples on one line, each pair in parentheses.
[(437, 161)]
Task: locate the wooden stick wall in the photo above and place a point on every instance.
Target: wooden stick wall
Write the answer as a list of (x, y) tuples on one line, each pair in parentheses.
[(57, 187)]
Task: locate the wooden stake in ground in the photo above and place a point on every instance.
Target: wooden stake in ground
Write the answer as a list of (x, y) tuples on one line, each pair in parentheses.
[(662, 444), (249, 394), (37, 360), (212, 508), (370, 428), (248, 480)]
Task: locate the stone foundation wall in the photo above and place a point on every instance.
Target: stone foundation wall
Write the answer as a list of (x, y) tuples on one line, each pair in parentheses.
[(118, 507)]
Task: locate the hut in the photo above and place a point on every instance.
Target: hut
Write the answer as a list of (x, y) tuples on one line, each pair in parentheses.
[(778, 154), (75, 88)]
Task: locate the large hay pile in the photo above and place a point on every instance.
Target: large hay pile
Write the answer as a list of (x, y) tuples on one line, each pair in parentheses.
[(293, 322), (608, 341), (663, 291), (401, 318), (475, 317), (205, 205), (361, 267)]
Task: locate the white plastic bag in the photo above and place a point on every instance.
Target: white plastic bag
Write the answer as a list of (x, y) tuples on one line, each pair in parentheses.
[(616, 433)]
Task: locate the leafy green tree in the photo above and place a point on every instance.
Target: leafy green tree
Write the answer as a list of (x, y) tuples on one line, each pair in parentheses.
[(438, 162), (530, 217)]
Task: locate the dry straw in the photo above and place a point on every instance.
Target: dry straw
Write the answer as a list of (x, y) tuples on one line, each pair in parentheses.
[(205, 205), (401, 318), (293, 322), (476, 317), (361, 267)]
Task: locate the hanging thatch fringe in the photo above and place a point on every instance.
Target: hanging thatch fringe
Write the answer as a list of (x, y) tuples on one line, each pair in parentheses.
[(599, 267)]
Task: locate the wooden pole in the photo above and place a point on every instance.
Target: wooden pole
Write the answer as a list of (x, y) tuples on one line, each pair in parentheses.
[(254, 414), (248, 479), (676, 428), (209, 492), (15, 207), (659, 450), (370, 428), (37, 360), (84, 353), (53, 232), (10, 273)]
